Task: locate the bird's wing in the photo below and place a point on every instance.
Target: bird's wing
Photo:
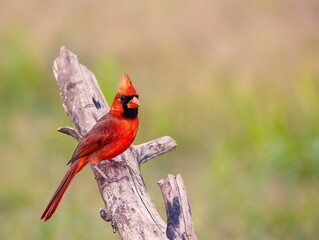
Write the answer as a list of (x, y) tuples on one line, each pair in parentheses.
[(100, 135)]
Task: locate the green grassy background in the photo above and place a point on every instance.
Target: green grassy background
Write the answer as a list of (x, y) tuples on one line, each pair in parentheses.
[(235, 83)]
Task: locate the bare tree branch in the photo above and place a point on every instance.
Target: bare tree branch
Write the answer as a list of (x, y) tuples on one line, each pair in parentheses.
[(154, 148), (127, 203), (179, 217)]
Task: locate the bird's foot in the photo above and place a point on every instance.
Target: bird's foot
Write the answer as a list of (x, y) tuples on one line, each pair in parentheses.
[(102, 174)]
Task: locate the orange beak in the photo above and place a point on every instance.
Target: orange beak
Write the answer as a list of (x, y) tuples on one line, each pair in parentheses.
[(134, 103)]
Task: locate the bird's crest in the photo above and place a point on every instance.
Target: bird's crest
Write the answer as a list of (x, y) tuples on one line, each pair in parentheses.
[(125, 86)]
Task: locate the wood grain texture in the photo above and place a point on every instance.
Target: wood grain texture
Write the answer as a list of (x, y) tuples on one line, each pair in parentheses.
[(127, 203), (78, 87), (179, 217)]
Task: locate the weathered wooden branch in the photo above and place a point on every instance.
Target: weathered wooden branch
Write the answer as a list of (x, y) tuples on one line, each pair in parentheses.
[(179, 216), (127, 203)]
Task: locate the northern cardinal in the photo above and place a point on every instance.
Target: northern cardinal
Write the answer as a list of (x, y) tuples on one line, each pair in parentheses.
[(109, 137)]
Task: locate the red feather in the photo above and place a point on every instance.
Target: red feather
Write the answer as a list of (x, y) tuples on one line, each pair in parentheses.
[(109, 137)]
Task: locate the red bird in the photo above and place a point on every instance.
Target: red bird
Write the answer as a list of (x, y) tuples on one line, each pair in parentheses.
[(109, 137)]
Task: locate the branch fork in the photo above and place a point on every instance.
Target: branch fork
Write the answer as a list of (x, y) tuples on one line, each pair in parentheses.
[(127, 203)]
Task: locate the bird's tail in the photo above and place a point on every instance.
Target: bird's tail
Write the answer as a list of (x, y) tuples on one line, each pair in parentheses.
[(57, 196)]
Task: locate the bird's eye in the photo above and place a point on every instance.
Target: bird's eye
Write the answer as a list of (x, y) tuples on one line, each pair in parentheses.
[(122, 98)]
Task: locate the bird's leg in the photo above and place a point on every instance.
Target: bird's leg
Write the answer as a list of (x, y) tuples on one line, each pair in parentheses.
[(101, 173)]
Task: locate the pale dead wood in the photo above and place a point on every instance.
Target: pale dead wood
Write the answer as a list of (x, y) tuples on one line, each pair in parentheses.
[(179, 217), (127, 203), (79, 91), (71, 132), (154, 148)]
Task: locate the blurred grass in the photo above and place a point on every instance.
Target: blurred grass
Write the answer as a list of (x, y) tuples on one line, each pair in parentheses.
[(240, 100)]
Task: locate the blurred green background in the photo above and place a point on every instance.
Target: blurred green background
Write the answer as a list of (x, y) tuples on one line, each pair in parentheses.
[(236, 83)]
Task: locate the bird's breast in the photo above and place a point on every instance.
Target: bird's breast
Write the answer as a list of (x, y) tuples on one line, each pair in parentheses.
[(124, 134)]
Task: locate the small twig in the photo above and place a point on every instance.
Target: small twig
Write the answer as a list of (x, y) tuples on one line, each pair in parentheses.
[(104, 215), (70, 131)]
